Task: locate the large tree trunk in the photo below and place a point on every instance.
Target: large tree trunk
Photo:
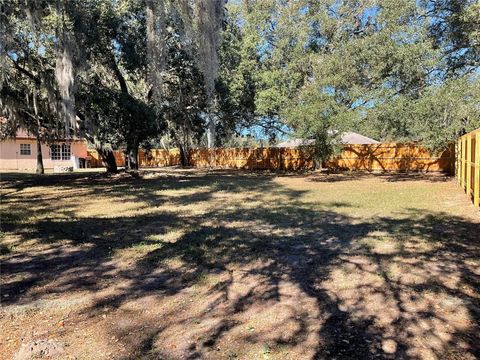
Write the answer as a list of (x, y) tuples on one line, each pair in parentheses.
[(134, 158), (131, 157), (108, 160), (183, 155), (128, 164), (40, 168)]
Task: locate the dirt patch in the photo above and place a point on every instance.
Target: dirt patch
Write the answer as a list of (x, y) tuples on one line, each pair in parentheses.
[(39, 349)]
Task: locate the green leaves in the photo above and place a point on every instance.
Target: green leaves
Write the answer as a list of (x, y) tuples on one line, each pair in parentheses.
[(374, 67), (391, 69)]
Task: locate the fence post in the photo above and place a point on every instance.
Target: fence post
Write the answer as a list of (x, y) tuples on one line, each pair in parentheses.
[(280, 160), (469, 165), (464, 154), (476, 185), (458, 146), (460, 149)]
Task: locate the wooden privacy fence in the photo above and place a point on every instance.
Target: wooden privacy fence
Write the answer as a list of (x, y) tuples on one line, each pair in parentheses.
[(372, 157), (96, 161), (467, 169), (254, 159), (392, 157), (244, 158), (158, 157)]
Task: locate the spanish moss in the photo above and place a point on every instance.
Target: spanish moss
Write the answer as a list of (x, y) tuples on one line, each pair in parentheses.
[(155, 22), (65, 73), (209, 22)]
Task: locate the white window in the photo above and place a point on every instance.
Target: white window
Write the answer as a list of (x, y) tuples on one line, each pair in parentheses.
[(25, 149), (56, 152), (60, 152), (65, 152)]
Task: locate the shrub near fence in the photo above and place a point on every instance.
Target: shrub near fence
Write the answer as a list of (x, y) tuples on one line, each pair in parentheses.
[(467, 169), (372, 157)]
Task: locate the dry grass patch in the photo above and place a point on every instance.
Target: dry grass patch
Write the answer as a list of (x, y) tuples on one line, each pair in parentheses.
[(222, 264)]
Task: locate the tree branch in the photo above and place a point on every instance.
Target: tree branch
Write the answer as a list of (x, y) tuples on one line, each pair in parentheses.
[(119, 76), (25, 72)]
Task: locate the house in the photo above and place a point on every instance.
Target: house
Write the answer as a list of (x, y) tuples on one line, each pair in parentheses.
[(350, 138), (20, 153)]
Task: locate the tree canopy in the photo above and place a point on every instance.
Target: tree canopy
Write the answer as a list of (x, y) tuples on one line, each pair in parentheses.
[(126, 74), (399, 69)]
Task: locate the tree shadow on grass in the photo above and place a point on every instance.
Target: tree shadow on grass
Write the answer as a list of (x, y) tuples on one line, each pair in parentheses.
[(342, 176), (342, 287), (352, 327)]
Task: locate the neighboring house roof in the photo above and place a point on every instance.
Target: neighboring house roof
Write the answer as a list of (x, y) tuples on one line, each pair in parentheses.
[(354, 138), (349, 137), (296, 143)]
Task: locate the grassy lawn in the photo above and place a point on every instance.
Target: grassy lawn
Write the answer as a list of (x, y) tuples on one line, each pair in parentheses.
[(221, 265)]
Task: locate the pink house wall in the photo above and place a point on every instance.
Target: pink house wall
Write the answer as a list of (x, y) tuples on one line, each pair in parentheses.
[(10, 158)]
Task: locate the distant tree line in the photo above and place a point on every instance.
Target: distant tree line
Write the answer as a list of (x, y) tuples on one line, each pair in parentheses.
[(127, 74)]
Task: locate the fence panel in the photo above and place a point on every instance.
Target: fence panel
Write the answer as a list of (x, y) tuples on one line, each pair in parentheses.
[(95, 159), (468, 165), (374, 157), (158, 157), (392, 157)]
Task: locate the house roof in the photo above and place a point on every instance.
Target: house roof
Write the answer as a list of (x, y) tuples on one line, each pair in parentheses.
[(296, 143), (350, 138), (354, 138)]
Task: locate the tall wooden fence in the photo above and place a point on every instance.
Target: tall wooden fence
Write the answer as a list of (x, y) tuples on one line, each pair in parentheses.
[(254, 159), (242, 158), (158, 158), (96, 161), (392, 157), (467, 169), (373, 157)]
